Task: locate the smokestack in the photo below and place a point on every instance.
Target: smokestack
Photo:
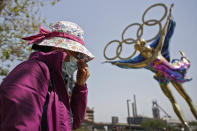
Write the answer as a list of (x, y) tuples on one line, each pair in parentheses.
[(128, 107), (135, 106)]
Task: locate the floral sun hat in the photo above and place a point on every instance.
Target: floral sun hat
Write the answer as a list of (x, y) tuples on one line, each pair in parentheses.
[(65, 35)]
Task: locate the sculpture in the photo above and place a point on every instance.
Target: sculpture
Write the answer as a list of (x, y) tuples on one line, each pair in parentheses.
[(155, 57)]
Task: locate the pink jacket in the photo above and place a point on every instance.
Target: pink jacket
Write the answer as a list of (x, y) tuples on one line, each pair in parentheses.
[(23, 94)]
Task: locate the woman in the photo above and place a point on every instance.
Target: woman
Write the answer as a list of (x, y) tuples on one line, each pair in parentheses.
[(23, 93)]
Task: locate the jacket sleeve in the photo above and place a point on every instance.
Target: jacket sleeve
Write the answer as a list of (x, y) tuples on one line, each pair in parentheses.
[(22, 96), (79, 105)]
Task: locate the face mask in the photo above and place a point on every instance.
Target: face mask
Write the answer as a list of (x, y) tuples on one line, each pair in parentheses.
[(71, 66)]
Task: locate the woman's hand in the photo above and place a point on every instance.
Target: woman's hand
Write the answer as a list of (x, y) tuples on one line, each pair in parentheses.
[(82, 73)]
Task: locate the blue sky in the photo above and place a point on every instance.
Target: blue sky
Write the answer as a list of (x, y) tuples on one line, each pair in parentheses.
[(110, 86)]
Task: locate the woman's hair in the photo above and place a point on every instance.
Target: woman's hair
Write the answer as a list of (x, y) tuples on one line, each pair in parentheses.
[(42, 48)]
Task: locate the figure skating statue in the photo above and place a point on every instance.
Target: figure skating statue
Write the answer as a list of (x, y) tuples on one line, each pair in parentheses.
[(156, 58)]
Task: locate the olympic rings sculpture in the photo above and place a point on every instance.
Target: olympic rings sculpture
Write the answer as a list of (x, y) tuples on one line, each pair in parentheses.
[(139, 33)]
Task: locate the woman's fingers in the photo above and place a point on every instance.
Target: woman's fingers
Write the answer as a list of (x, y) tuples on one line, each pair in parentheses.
[(83, 73)]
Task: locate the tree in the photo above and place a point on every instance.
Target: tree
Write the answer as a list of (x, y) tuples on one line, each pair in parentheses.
[(18, 18), (193, 123), (154, 125)]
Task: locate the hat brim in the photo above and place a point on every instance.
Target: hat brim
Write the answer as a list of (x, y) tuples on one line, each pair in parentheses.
[(68, 44)]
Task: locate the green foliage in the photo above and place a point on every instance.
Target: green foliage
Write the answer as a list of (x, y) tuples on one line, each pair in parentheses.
[(80, 129), (3, 72), (18, 18), (153, 124), (193, 123)]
